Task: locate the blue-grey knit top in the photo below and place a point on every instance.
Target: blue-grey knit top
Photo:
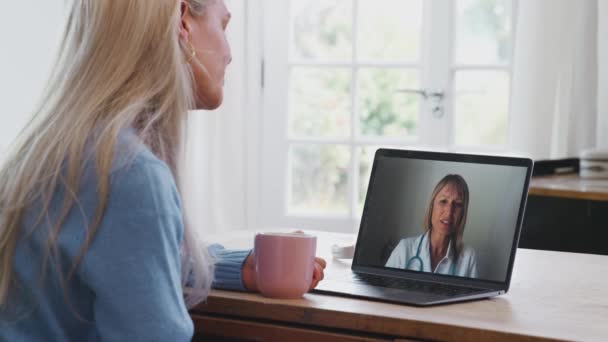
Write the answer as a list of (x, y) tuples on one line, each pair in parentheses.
[(127, 286)]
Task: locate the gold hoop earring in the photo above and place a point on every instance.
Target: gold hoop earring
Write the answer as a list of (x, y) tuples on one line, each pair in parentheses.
[(192, 49)]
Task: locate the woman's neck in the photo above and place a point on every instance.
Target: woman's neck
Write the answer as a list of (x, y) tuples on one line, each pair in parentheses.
[(438, 247)]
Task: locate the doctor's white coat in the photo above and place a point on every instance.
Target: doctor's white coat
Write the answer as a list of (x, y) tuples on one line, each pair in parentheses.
[(466, 266)]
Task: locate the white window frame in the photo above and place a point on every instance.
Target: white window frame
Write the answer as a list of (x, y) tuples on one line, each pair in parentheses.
[(437, 134)]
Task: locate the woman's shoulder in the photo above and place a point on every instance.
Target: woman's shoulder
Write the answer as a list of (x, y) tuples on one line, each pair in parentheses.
[(145, 180), (130, 151), (132, 160), (129, 154), (142, 163), (468, 252), (137, 178), (409, 241)]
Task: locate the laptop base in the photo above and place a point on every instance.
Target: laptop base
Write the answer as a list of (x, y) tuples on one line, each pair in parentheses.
[(402, 296)]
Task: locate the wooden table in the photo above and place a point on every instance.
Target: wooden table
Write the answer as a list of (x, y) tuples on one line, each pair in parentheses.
[(554, 295)]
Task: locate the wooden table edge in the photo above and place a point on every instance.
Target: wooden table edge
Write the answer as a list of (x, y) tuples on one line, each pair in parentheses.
[(223, 302)]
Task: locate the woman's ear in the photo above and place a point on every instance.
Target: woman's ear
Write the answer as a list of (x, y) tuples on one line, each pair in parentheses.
[(184, 27)]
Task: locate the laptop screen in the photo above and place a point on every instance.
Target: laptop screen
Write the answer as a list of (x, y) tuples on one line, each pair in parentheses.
[(447, 214)]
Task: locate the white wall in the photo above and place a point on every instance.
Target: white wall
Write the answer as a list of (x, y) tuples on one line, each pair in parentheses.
[(29, 36)]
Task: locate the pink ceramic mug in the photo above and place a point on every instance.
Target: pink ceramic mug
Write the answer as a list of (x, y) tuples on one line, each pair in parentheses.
[(284, 263)]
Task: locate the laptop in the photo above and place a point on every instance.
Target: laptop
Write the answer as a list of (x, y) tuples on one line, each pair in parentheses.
[(436, 228)]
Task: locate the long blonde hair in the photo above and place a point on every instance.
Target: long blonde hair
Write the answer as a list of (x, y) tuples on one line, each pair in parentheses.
[(121, 64), (463, 191)]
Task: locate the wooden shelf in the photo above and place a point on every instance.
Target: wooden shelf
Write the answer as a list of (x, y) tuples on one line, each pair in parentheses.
[(570, 186)]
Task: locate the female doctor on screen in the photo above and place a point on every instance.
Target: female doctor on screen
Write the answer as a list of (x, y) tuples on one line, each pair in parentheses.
[(440, 248)]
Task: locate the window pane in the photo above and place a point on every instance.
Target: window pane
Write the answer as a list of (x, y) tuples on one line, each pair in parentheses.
[(320, 102), (389, 30), (321, 30), (481, 104), (383, 110), (318, 179), (484, 31)]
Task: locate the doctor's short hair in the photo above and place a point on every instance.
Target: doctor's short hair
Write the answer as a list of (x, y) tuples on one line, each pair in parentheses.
[(463, 191)]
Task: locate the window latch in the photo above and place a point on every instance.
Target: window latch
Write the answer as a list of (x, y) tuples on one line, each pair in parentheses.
[(439, 95)]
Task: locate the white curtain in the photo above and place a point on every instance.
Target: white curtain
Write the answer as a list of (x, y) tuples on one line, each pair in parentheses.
[(215, 179), (602, 39), (555, 82)]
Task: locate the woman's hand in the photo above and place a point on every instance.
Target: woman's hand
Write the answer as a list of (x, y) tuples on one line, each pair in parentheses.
[(248, 273), (318, 273)]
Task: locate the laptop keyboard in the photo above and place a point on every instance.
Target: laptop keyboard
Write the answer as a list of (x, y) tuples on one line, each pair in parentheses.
[(415, 285)]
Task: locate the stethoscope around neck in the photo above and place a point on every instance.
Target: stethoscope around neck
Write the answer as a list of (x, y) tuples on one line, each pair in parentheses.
[(421, 263)]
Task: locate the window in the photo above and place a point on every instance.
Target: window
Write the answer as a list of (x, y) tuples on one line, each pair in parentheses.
[(349, 76)]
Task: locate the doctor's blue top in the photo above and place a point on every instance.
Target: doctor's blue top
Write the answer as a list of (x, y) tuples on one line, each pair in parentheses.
[(128, 284), (404, 257)]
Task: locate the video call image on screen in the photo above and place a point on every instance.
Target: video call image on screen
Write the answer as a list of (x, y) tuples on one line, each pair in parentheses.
[(449, 218)]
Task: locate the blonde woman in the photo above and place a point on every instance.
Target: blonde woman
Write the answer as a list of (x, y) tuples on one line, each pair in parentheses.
[(440, 248), (94, 244)]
